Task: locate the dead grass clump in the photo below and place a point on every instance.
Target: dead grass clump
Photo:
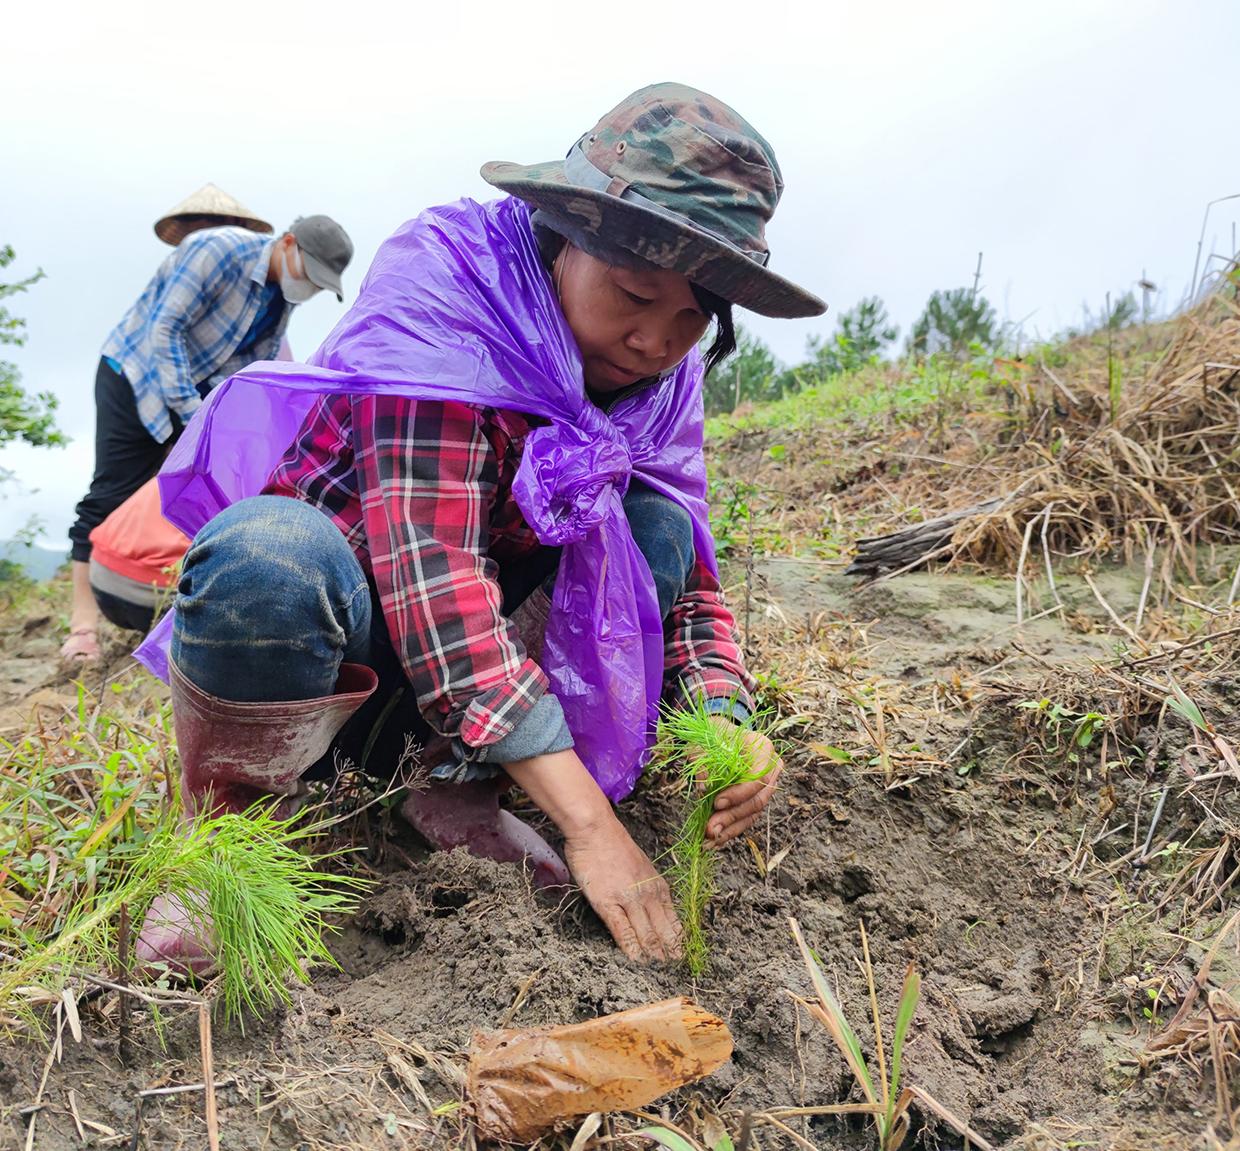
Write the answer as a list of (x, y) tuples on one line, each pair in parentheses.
[(1123, 469), (1205, 1034)]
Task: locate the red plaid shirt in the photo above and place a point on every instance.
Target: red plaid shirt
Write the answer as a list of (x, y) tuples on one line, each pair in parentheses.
[(422, 490)]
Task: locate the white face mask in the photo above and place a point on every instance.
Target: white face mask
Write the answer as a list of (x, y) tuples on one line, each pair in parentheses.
[(296, 289)]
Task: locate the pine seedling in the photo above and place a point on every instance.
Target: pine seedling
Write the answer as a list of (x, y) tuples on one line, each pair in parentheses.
[(266, 902), (708, 755)]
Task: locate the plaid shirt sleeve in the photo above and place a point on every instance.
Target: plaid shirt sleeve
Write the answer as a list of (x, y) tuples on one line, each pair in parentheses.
[(427, 477), (189, 291), (701, 655), (267, 348)]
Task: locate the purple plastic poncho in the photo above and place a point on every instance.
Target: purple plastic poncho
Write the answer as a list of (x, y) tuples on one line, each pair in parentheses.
[(458, 306)]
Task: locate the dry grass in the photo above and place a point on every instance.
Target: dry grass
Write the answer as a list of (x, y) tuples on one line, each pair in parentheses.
[(1205, 1033), (1160, 475), (1149, 473)]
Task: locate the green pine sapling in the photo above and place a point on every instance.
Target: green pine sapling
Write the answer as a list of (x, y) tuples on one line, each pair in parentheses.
[(267, 901), (707, 755)]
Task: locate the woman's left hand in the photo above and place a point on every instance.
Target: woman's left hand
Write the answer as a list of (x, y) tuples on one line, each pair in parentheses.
[(738, 808)]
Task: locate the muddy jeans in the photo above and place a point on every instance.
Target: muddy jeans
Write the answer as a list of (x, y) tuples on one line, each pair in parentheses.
[(272, 601)]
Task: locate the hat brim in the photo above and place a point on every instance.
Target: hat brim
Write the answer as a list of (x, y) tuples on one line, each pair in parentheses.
[(173, 229), (659, 239), (321, 276)]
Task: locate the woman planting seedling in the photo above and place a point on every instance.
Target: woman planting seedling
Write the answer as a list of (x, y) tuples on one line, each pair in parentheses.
[(482, 525)]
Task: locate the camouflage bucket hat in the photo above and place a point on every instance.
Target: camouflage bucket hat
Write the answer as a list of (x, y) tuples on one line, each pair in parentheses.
[(677, 178)]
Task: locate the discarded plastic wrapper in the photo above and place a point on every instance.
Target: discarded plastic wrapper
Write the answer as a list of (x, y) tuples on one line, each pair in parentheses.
[(523, 1082)]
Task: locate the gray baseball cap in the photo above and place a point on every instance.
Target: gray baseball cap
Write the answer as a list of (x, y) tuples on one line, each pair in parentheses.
[(326, 248)]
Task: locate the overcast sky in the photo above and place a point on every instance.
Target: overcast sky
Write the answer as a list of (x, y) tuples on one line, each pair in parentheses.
[(1076, 144)]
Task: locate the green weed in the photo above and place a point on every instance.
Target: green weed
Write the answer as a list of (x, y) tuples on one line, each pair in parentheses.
[(675, 1141), (886, 1101), (77, 797), (883, 1098), (731, 515), (1068, 730), (1180, 702)]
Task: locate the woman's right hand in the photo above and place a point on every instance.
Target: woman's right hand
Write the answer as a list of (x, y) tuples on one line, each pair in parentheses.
[(614, 874), (631, 898)]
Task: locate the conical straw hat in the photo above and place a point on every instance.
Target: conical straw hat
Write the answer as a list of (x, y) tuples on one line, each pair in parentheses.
[(209, 207)]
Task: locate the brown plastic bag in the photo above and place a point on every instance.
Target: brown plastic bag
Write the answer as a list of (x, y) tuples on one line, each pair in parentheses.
[(524, 1082)]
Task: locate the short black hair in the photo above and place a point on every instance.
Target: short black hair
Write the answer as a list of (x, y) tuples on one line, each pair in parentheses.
[(720, 311)]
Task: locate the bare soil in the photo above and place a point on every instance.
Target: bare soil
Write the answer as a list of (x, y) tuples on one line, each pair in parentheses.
[(958, 849)]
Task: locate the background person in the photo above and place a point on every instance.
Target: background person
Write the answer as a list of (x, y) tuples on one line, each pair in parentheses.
[(220, 301), (209, 207), (136, 556)]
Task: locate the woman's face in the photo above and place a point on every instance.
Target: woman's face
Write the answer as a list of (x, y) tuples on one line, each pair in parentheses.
[(628, 323)]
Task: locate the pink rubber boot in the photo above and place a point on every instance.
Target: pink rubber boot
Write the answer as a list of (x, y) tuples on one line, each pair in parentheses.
[(233, 754), (468, 815)]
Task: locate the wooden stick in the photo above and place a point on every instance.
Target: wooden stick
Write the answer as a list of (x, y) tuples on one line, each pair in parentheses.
[(77, 1119), (188, 1087), (908, 567), (208, 1075), (167, 999), (1183, 647), (1020, 572), (1145, 587), (878, 1026), (912, 546), (123, 1046), (1155, 820), (831, 1109), (1119, 623), (930, 1103), (799, 1140), (53, 1056), (1046, 555)]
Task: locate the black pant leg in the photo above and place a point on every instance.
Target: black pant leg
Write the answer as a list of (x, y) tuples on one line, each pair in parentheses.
[(122, 613), (125, 456)]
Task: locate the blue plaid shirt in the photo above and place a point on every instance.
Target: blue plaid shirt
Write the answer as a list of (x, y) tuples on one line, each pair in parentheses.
[(187, 326)]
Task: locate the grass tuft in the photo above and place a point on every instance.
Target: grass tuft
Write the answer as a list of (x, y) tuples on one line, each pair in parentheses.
[(886, 1101)]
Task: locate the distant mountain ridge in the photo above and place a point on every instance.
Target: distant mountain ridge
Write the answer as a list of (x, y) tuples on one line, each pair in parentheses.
[(37, 561)]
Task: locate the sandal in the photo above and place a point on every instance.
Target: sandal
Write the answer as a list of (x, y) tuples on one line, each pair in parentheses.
[(82, 646)]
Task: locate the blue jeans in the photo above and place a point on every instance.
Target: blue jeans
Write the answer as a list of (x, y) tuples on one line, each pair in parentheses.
[(272, 600)]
